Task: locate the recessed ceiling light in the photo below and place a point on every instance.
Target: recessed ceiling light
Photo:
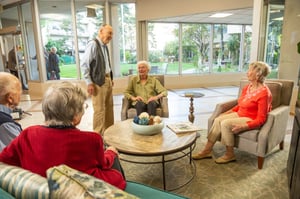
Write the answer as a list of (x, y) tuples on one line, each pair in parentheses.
[(94, 6), (220, 15)]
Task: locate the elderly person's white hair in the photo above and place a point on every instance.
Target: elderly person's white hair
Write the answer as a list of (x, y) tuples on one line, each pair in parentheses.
[(53, 49), (62, 102), (262, 70), (143, 62), (8, 84)]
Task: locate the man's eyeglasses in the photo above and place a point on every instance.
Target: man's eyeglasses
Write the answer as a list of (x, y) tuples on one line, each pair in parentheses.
[(85, 106)]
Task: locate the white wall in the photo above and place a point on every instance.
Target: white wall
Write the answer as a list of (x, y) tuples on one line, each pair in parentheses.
[(290, 59)]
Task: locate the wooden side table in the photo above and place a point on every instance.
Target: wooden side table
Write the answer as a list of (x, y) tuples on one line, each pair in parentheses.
[(192, 95)]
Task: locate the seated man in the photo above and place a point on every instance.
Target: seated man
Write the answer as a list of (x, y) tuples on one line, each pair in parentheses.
[(10, 93), (144, 91)]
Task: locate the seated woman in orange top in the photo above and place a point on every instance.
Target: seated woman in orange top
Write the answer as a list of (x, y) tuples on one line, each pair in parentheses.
[(57, 142), (250, 113)]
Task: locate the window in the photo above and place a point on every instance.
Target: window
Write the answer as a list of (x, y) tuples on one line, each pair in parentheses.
[(195, 48), (58, 31), (226, 48), (273, 35), (163, 48), (127, 39), (191, 48)]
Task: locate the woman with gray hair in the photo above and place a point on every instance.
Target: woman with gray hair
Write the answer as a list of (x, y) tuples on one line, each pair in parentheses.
[(251, 112), (144, 91), (60, 142)]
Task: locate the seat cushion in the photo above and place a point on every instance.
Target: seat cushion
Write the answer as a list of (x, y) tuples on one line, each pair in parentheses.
[(147, 192), (275, 88), (5, 195), (250, 135), (67, 183)]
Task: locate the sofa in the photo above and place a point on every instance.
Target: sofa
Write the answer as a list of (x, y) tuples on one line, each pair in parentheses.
[(67, 183)]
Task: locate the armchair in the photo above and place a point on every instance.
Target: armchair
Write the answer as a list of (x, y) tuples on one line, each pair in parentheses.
[(261, 141), (128, 111)]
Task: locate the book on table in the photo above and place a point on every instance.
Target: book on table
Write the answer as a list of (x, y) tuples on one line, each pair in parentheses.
[(182, 127)]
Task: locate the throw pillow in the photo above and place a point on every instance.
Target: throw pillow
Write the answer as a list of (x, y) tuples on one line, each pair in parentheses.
[(65, 182)]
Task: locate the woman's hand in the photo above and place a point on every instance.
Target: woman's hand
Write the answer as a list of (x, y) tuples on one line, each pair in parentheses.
[(111, 148), (239, 128), (137, 98), (153, 98)]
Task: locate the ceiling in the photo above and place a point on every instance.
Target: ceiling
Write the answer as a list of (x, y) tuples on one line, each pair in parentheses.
[(241, 16)]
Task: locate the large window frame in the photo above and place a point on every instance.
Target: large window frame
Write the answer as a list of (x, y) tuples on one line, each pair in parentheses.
[(197, 56)]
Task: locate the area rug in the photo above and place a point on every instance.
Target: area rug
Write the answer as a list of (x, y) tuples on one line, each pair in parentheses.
[(240, 179)]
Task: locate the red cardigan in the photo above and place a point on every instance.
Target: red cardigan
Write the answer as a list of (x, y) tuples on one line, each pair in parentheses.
[(254, 105), (38, 148)]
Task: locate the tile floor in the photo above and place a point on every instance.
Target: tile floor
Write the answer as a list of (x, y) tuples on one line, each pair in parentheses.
[(178, 106)]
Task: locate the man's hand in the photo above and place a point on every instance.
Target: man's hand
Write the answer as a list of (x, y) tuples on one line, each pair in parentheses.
[(90, 89)]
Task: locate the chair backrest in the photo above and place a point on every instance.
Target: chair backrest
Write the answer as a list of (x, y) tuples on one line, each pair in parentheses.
[(164, 68), (281, 90), (160, 78)]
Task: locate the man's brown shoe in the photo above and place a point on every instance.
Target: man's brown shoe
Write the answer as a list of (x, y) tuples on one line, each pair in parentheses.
[(201, 156)]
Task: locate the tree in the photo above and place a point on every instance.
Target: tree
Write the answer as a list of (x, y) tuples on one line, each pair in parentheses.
[(171, 49), (234, 47), (197, 35)]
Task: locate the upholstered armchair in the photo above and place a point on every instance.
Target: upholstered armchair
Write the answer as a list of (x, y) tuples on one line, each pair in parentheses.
[(261, 141), (128, 111)]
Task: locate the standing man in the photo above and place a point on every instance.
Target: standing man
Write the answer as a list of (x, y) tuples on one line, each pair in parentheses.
[(10, 94), (98, 75), (12, 64)]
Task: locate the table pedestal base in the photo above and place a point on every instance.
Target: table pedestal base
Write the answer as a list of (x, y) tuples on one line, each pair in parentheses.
[(163, 160)]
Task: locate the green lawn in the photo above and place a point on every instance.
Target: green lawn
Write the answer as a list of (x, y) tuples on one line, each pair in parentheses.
[(69, 70)]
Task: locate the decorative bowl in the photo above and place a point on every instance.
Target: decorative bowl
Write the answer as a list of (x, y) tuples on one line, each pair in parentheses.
[(147, 129)]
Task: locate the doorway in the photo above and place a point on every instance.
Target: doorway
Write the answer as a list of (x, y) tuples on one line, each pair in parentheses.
[(12, 51)]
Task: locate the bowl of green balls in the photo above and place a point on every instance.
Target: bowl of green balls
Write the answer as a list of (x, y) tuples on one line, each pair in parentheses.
[(147, 125)]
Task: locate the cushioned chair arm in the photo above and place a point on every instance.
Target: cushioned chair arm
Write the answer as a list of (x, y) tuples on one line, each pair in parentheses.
[(273, 131), (164, 106), (221, 108), (125, 107)]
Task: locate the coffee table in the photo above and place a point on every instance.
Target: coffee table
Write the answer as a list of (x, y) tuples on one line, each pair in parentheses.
[(164, 144)]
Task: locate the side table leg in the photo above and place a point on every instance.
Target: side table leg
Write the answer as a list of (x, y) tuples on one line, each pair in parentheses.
[(164, 172), (191, 115)]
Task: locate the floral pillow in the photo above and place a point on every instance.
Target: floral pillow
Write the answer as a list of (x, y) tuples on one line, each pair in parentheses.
[(65, 182)]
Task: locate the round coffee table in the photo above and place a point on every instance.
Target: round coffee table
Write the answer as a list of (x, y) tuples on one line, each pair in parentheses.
[(121, 136)]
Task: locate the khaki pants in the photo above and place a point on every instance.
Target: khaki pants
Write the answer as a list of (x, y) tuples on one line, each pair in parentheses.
[(221, 128), (103, 106)]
